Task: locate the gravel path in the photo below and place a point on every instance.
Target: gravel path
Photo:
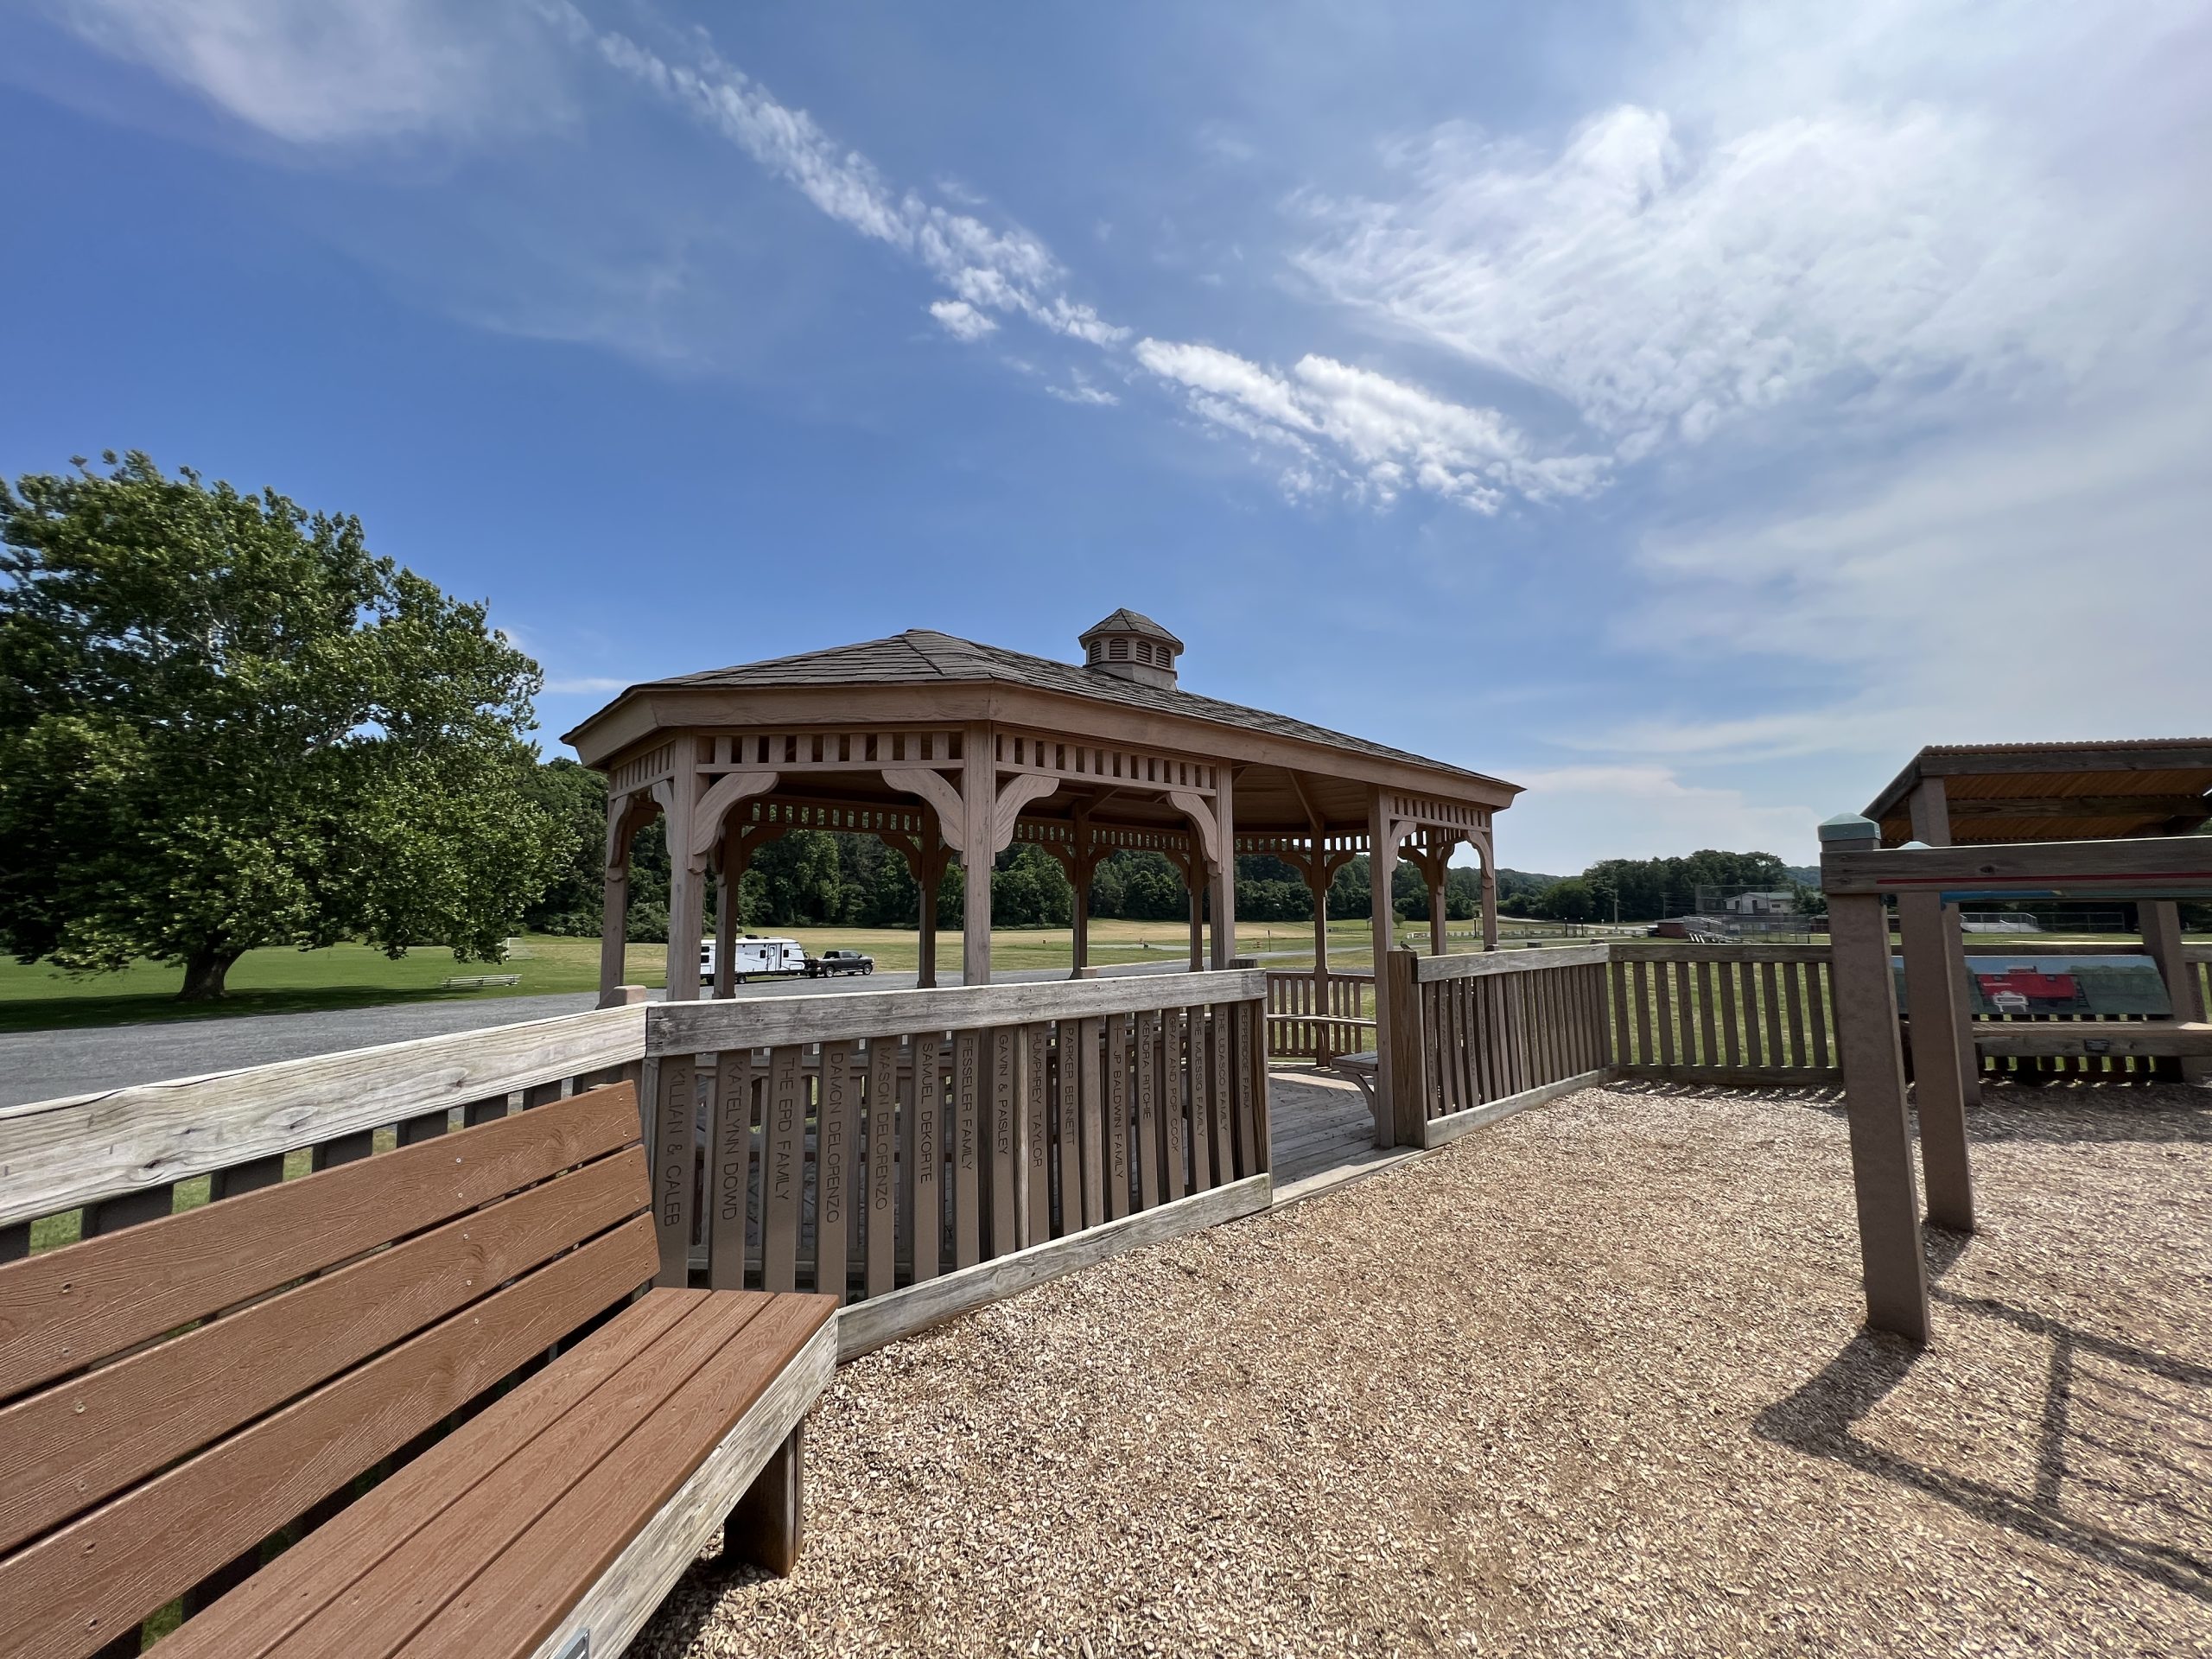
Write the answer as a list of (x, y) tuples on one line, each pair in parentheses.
[(1588, 1383)]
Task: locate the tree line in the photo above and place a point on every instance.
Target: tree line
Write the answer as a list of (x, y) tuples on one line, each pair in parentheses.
[(1650, 889)]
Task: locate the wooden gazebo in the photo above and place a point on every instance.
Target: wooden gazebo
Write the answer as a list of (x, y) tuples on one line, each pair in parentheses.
[(945, 749)]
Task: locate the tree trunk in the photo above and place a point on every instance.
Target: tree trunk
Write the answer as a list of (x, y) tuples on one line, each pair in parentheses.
[(203, 975)]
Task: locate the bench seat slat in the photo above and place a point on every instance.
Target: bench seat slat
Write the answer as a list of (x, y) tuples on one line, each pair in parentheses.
[(520, 1598), (84, 1438), (66, 1309), (147, 1545), (391, 1581)]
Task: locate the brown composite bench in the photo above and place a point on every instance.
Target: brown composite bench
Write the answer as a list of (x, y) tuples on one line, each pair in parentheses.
[(1361, 1069), (184, 1396)]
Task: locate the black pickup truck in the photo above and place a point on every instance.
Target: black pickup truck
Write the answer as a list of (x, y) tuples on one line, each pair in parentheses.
[(831, 962)]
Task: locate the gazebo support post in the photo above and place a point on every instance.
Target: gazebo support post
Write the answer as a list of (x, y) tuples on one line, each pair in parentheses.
[(1317, 883), (1382, 863), (725, 926), (1082, 864), (1198, 918), (979, 792), (686, 875), (1432, 860), (2161, 920), (1485, 850), (925, 969), (1894, 1272), (1930, 810), (1224, 872), (614, 909)]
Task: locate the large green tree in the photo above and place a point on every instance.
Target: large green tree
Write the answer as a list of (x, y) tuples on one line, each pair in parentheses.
[(224, 724)]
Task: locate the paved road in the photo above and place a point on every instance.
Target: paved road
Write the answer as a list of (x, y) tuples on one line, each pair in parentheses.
[(41, 1064)]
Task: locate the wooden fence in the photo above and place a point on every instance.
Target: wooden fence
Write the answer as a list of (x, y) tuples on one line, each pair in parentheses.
[(1495, 1030), (1756, 1014), (1762, 1015), (867, 1144), (1310, 1021), (93, 1164)]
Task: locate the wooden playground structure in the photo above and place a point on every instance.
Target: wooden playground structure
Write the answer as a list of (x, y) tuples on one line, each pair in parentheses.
[(1968, 825)]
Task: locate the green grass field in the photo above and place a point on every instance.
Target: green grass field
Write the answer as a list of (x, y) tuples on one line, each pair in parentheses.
[(40, 998)]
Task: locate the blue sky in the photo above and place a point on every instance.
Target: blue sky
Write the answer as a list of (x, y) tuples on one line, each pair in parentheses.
[(1684, 409)]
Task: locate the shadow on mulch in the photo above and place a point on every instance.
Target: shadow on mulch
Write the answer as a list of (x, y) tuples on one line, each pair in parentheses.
[(1820, 1419)]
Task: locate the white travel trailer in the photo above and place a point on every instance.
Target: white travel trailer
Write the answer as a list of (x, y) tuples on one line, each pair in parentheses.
[(754, 954)]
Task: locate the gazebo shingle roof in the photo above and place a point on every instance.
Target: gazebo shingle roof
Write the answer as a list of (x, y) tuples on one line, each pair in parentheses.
[(923, 656)]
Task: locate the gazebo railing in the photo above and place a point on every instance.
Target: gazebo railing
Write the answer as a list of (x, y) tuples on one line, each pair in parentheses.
[(1316, 1019), (912, 1147), (1495, 1030)]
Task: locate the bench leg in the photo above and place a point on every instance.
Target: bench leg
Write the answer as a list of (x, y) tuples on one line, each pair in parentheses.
[(1374, 1106), (764, 1528)]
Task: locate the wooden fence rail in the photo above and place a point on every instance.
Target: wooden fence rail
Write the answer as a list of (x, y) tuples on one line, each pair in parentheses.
[(863, 1144), (92, 1163)]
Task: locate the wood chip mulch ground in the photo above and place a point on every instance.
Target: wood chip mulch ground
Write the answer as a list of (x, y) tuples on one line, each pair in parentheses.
[(1589, 1382)]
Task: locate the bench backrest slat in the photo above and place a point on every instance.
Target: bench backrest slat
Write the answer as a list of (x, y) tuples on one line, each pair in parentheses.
[(84, 1438), (67, 1309), (313, 1327), (161, 1537)]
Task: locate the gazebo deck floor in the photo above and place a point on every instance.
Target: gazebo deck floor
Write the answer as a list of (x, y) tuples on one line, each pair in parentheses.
[(1317, 1124)]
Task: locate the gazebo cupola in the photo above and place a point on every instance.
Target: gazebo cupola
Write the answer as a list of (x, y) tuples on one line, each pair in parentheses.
[(1131, 647)]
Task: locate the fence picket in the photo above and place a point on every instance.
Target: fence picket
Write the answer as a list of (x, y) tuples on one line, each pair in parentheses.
[(729, 1177), (880, 1231)]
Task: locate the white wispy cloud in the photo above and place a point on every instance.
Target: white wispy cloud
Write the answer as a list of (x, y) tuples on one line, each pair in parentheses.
[(961, 319), (1080, 390), (1380, 434), (318, 72), (1667, 289), (987, 268), (1892, 234), (586, 684), (2042, 577)]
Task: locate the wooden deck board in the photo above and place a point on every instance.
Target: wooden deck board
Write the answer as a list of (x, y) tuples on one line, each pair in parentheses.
[(1314, 1126)]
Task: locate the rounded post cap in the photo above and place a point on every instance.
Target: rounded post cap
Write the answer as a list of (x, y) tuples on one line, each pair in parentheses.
[(1849, 826)]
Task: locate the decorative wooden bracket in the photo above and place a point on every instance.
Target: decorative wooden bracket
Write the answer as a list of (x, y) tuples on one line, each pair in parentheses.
[(1201, 815), (714, 806), (939, 791), (627, 813), (1028, 788)]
